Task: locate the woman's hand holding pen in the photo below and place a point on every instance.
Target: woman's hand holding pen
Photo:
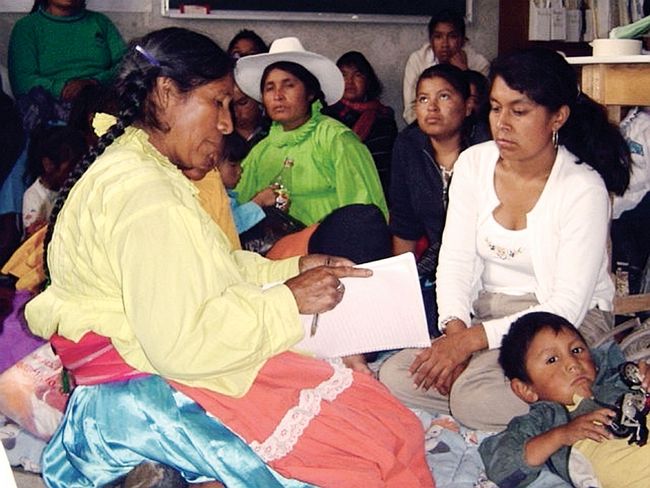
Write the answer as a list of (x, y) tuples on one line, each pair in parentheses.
[(318, 287)]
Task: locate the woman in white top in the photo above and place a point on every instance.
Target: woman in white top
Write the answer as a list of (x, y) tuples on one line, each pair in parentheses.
[(526, 230)]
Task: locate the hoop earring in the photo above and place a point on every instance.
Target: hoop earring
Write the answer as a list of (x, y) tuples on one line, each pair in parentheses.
[(555, 138)]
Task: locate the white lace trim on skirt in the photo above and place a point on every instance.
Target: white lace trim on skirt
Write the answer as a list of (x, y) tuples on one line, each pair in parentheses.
[(285, 436)]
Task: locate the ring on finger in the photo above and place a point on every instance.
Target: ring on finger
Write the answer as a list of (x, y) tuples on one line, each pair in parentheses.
[(340, 287)]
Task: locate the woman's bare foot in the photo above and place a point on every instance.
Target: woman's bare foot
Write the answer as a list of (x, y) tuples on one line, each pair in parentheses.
[(357, 362)]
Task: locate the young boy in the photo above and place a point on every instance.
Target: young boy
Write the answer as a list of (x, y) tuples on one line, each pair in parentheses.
[(250, 213), (53, 152), (551, 368)]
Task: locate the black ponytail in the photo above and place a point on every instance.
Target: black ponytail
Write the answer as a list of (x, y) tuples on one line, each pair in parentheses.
[(590, 135), (547, 79)]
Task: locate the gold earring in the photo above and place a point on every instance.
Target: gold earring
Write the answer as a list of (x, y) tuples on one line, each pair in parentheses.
[(555, 138)]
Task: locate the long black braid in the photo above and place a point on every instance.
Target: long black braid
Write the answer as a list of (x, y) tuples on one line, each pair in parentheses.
[(190, 59), (124, 119)]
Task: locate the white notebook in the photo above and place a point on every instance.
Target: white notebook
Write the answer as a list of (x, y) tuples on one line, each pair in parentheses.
[(384, 311)]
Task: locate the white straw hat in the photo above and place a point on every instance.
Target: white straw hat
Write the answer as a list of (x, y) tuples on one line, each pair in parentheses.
[(249, 69)]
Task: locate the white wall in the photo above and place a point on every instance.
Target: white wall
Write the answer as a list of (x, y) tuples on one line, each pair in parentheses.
[(386, 46)]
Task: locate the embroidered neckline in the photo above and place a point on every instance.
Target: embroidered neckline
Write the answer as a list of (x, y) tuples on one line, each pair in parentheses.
[(279, 137), (503, 252)]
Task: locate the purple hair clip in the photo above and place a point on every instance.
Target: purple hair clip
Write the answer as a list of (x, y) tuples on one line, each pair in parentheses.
[(153, 61)]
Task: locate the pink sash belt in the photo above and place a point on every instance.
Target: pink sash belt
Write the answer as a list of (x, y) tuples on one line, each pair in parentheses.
[(92, 360)]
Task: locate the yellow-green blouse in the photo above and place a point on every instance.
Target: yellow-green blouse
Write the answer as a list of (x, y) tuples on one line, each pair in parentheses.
[(135, 258)]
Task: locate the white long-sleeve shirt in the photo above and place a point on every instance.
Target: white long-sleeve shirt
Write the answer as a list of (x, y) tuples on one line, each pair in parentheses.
[(420, 60), (635, 127), (568, 227)]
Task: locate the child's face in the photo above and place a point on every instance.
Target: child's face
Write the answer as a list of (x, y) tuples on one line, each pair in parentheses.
[(559, 366), (230, 173), (54, 176)]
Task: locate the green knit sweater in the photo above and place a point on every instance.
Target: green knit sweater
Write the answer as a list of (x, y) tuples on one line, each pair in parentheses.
[(47, 50)]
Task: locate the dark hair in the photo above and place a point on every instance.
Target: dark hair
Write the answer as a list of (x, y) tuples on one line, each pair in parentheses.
[(482, 85), (546, 78), (312, 85), (188, 58), (451, 74), (43, 4), (236, 148), (447, 16), (359, 61), (260, 45), (457, 79), (91, 99), (58, 143), (515, 344)]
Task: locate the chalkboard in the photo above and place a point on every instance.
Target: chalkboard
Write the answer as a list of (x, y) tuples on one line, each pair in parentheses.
[(360, 7)]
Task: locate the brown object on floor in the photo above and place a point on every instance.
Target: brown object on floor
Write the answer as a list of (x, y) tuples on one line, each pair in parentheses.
[(154, 475)]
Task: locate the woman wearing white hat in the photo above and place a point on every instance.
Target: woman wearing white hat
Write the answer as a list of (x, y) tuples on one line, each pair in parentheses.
[(331, 167)]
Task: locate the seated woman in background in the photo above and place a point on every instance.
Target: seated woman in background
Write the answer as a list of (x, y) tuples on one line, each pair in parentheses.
[(250, 121), (158, 318), (526, 231), (423, 162), (57, 49), (361, 110), (331, 168), (52, 154)]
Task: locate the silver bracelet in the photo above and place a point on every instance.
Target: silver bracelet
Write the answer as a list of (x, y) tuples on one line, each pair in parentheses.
[(442, 325)]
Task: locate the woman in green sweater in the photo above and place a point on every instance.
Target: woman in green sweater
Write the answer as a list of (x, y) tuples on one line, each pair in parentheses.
[(61, 47)]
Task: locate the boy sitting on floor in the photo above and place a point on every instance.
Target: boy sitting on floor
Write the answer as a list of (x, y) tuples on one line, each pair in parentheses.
[(551, 368)]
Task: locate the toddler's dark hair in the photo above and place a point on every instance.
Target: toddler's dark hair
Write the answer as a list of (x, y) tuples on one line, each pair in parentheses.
[(59, 143), (515, 344), (236, 148)]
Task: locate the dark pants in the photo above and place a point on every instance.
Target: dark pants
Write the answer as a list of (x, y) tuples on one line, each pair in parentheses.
[(631, 241)]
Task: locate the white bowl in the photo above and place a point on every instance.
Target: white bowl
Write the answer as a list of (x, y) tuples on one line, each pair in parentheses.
[(616, 47)]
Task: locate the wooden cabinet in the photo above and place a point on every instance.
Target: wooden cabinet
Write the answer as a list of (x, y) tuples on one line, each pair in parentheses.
[(513, 31)]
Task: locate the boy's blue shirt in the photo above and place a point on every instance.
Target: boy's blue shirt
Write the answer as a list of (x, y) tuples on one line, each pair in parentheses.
[(245, 215), (503, 453)]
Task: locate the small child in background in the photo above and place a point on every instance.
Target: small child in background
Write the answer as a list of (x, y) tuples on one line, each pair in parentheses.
[(250, 213), (551, 368), (53, 152)]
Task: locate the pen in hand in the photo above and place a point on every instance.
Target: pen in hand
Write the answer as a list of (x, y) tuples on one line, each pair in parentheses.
[(314, 325), (340, 288)]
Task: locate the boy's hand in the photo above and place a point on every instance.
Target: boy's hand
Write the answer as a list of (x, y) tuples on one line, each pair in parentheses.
[(459, 59), (265, 197), (591, 425)]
